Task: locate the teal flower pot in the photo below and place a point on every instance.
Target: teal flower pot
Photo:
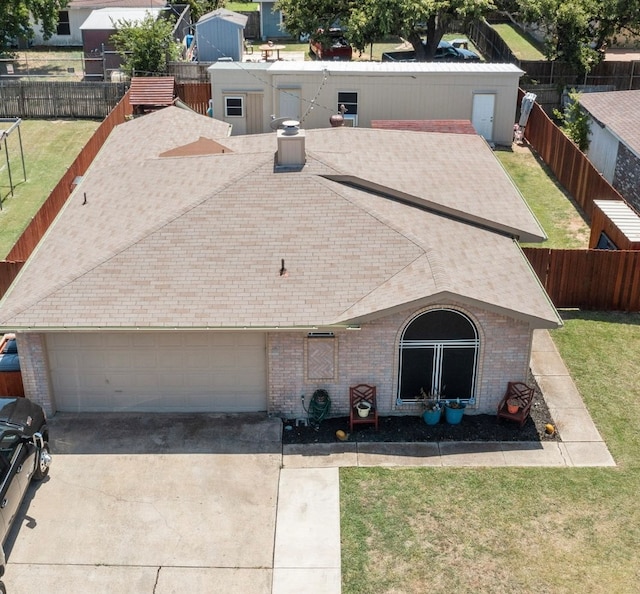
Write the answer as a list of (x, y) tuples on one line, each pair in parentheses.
[(432, 417), (454, 415)]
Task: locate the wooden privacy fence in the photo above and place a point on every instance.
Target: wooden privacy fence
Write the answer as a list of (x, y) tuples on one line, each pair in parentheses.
[(195, 95), (568, 163), (621, 75), (189, 72), (52, 99), (52, 205), (8, 271), (589, 279)]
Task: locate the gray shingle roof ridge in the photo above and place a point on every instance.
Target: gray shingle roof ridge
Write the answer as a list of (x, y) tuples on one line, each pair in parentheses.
[(439, 271), (354, 153)]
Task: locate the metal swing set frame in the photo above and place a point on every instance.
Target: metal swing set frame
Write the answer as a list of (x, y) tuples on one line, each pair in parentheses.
[(4, 134)]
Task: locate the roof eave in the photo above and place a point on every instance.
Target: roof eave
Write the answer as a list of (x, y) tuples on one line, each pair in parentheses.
[(534, 322)]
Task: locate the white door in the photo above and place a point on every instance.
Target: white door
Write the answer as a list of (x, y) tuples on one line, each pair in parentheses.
[(289, 104), (158, 371), (482, 114)]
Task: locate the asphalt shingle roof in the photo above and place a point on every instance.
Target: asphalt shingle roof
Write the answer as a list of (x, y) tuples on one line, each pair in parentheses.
[(619, 111), (197, 241)]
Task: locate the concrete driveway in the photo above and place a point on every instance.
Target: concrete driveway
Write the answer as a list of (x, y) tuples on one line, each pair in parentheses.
[(151, 504)]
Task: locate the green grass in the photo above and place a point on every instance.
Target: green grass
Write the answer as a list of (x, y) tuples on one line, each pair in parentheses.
[(558, 214), (523, 46), (50, 146), (551, 530), (242, 6)]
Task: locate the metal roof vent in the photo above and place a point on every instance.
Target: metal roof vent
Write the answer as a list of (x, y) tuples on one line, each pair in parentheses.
[(291, 145), (290, 127)]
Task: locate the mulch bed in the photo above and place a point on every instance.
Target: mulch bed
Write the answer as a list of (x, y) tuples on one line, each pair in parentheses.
[(412, 428)]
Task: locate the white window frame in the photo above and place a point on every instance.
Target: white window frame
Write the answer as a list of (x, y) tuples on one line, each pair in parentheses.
[(350, 119), (438, 347), (226, 106)]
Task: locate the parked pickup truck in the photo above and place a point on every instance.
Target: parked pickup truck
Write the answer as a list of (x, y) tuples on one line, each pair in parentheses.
[(338, 48)]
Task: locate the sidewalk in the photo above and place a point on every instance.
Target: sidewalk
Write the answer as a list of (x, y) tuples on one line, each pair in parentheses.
[(307, 550)]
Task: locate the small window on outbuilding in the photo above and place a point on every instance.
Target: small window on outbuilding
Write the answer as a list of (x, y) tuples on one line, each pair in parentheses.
[(350, 101), (233, 107), (604, 243)]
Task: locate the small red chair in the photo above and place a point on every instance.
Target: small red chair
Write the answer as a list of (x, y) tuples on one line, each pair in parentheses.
[(365, 396), (522, 395)]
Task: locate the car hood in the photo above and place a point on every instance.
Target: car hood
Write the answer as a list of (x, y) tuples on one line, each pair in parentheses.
[(468, 54), (21, 412)]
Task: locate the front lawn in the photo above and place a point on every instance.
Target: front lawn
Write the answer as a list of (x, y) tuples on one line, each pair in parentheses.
[(504, 530), (50, 146)]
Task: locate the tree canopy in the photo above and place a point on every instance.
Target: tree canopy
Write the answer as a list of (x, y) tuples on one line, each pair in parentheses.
[(15, 22), (413, 20), (579, 31), (201, 7), (146, 47)]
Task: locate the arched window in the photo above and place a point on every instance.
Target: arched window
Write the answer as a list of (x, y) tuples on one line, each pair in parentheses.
[(439, 353)]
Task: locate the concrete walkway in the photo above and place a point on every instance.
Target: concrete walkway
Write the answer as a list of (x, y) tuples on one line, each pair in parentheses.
[(307, 548)]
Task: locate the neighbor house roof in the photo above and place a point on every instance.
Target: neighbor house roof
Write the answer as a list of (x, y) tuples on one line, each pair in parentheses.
[(226, 15), (619, 112), (105, 19), (175, 225), (95, 4)]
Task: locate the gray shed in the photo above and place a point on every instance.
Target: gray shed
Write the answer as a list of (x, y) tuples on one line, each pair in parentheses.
[(220, 34)]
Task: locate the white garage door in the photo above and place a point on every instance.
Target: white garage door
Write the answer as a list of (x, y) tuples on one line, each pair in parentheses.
[(158, 371)]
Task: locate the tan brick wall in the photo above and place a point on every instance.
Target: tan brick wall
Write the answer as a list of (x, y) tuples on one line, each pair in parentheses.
[(35, 370), (370, 355)]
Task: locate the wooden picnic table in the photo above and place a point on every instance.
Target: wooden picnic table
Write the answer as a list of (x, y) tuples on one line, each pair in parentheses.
[(267, 50)]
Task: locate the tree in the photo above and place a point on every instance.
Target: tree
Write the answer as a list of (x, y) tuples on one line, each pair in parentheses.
[(368, 21), (146, 47), (421, 23), (579, 31), (574, 121), (306, 18), (18, 16), (201, 7)]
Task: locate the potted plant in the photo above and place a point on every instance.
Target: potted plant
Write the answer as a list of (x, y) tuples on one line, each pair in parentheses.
[(431, 406), (513, 404), (432, 411), (453, 411), (363, 408)]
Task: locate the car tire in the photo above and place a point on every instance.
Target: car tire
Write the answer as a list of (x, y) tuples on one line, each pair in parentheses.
[(42, 469)]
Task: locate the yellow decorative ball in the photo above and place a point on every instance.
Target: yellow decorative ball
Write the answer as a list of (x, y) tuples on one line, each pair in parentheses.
[(549, 429), (341, 435)]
